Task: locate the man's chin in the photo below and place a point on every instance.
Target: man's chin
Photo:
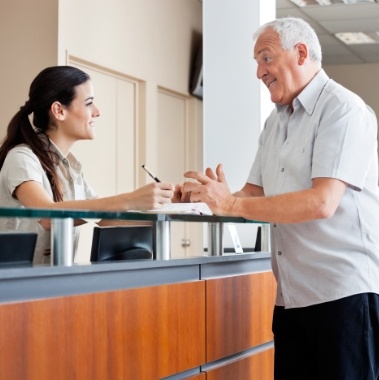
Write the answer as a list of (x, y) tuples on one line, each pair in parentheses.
[(275, 99)]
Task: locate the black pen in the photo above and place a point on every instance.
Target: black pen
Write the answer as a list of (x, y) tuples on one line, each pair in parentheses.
[(144, 167)]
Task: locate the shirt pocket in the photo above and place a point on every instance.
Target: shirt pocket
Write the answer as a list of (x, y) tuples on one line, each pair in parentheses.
[(297, 164)]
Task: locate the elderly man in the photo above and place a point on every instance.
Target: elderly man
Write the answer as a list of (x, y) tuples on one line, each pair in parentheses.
[(315, 179)]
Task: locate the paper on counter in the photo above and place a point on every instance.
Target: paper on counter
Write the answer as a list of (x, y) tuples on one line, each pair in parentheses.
[(199, 208)]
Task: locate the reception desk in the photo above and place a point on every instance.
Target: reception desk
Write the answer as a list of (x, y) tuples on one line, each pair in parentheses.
[(195, 318)]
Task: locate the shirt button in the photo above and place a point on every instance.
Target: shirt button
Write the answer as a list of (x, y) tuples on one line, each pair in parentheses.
[(282, 169), (274, 225), (279, 253)]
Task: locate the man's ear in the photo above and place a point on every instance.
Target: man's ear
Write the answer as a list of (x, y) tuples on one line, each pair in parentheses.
[(302, 52), (57, 110)]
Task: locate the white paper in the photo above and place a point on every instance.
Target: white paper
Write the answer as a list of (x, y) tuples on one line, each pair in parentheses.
[(184, 208)]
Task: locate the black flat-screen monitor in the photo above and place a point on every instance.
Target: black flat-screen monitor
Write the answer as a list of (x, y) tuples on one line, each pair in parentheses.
[(196, 83), (17, 248), (122, 243)]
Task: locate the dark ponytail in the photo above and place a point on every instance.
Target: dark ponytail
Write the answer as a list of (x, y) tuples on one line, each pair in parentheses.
[(57, 83)]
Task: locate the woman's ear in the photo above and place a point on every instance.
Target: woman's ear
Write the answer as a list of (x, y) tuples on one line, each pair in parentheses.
[(57, 111)]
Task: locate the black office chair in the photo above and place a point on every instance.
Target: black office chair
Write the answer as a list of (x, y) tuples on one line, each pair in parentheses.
[(17, 248), (122, 243)]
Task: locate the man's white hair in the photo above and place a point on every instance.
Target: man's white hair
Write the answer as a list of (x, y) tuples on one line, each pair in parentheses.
[(291, 31)]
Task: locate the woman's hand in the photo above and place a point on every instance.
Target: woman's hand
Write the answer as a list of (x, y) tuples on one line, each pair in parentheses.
[(149, 197)]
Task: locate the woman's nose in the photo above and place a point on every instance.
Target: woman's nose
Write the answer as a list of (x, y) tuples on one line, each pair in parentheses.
[(96, 111)]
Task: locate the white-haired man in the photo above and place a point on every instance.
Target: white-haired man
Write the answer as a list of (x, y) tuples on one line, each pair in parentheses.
[(315, 179)]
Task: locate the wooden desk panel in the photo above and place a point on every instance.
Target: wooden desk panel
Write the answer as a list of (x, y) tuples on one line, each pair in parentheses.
[(239, 313), (145, 333), (255, 367)]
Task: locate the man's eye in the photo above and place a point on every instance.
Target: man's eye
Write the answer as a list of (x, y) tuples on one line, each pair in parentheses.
[(266, 59)]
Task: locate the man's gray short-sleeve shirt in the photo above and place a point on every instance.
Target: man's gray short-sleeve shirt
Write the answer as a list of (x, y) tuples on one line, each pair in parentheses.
[(330, 133)]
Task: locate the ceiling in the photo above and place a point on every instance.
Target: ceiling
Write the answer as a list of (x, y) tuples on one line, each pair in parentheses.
[(329, 19)]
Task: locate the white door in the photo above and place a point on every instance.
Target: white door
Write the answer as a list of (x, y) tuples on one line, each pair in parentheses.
[(175, 146)]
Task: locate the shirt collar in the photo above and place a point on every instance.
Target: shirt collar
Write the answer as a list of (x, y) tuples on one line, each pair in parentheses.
[(310, 94), (72, 160), (56, 150)]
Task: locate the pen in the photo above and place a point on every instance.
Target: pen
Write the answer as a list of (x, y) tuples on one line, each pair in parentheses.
[(144, 167)]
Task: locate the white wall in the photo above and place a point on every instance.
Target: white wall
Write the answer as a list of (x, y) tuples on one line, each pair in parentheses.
[(234, 109)]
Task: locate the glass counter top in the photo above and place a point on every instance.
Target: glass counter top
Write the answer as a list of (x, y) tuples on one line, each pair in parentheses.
[(62, 228), (127, 215)]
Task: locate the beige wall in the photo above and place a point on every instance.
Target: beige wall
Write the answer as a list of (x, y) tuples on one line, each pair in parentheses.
[(28, 43), (154, 41), (147, 39)]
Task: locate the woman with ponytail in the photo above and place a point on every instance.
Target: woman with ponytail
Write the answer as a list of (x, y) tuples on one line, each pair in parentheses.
[(36, 166)]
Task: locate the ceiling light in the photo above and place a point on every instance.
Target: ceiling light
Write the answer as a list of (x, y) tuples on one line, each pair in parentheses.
[(357, 38), (304, 3), (357, 1)]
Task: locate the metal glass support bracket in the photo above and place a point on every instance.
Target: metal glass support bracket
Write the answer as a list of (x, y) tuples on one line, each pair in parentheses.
[(215, 243), (62, 241), (162, 240)]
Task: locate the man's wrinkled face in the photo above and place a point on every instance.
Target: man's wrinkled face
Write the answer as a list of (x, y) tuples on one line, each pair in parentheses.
[(277, 68)]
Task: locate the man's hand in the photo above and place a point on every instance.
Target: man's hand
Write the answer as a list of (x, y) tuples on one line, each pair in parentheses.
[(210, 188)]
